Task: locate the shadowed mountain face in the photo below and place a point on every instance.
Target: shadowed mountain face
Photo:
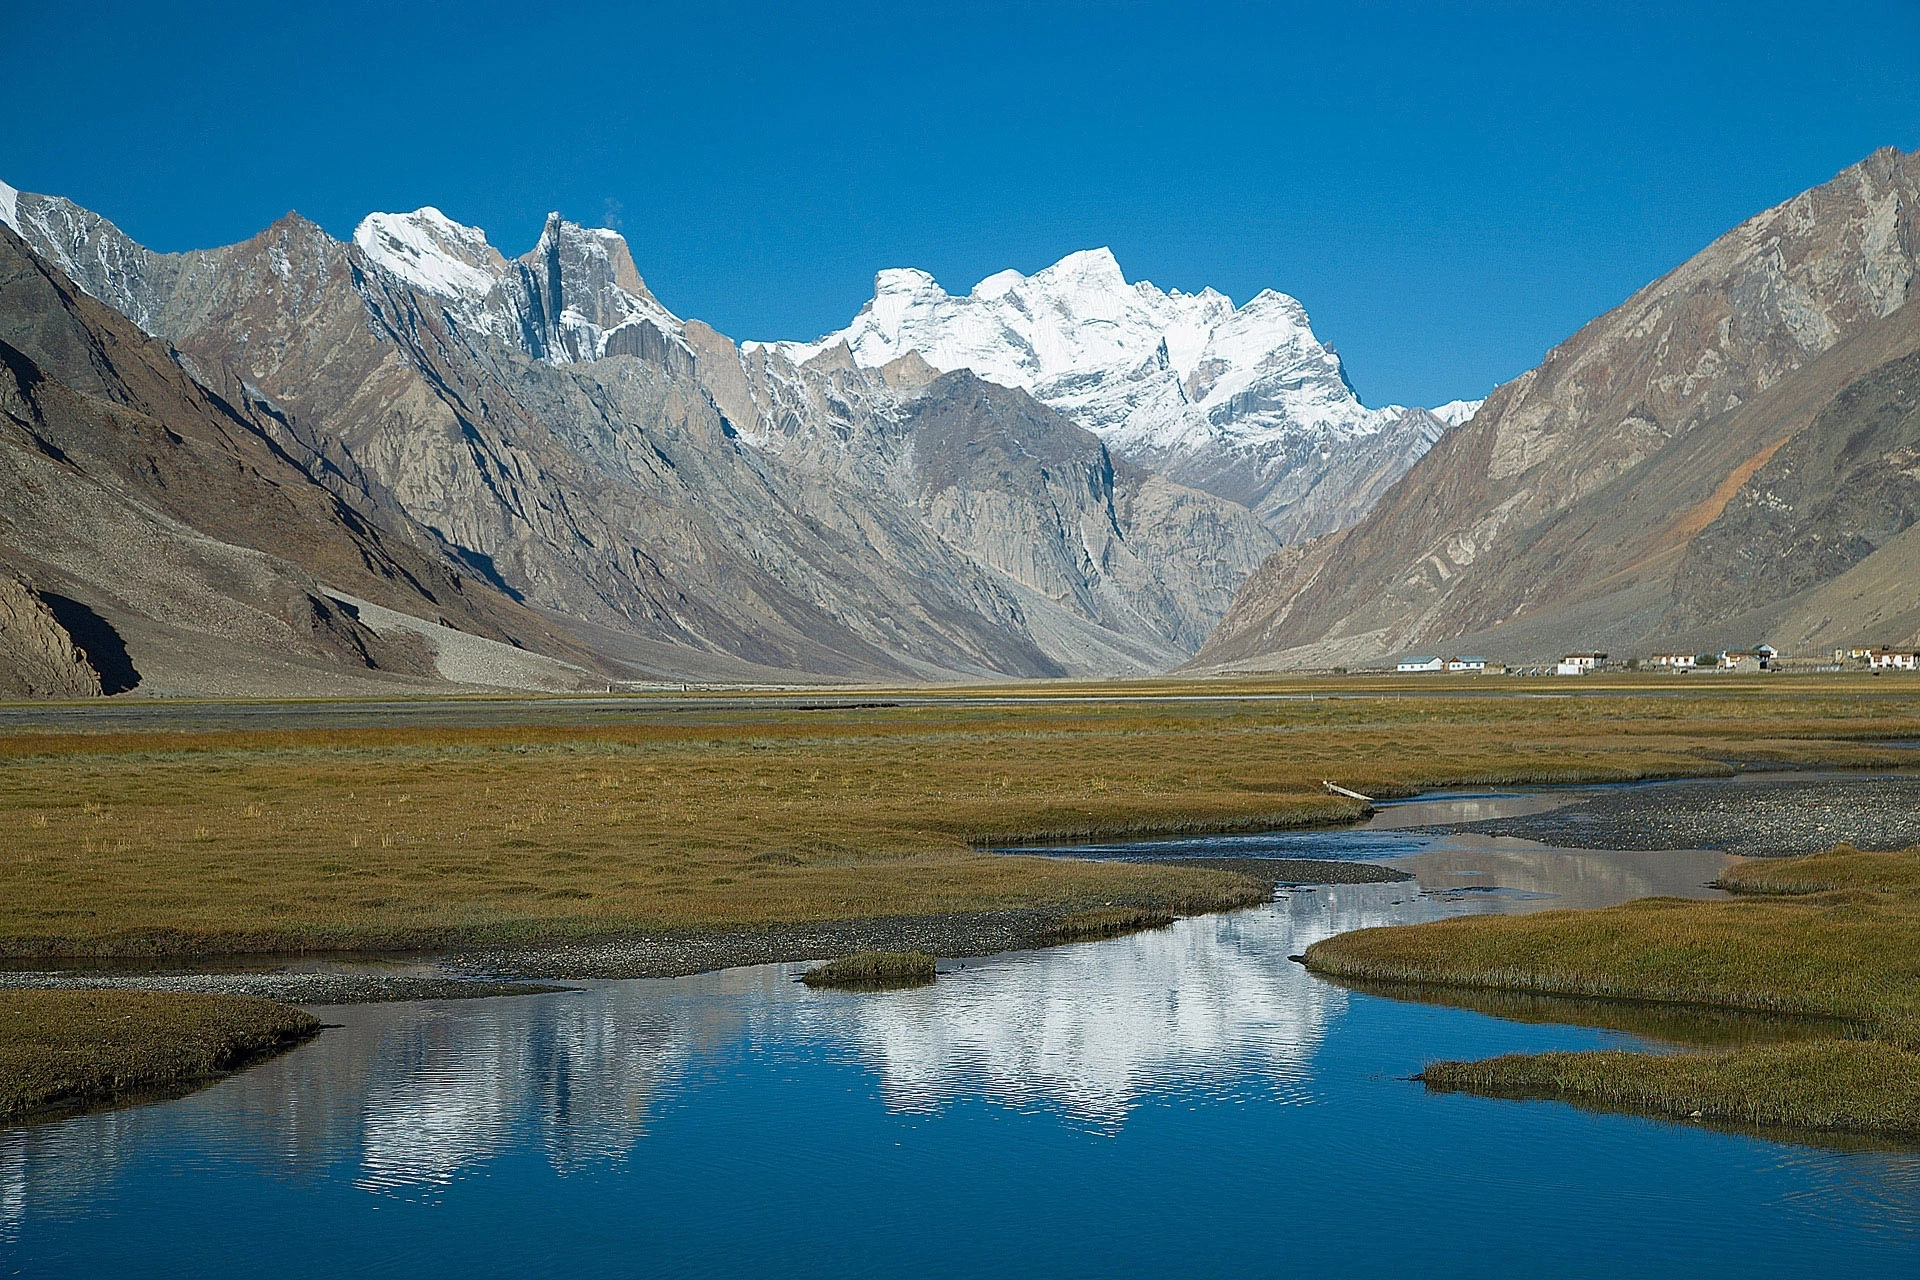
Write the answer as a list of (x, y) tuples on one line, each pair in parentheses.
[(1042, 503), (1721, 459), (618, 489)]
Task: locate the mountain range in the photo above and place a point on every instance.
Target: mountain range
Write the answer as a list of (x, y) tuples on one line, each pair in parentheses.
[(300, 464), (1243, 402), (538, 475)]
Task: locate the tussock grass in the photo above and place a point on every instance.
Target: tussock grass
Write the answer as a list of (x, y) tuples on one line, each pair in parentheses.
[(1839, 869), (1852, 960), (1832, 937), (70, 1050), (874, 971), (1109, 922), (698, 815), (1848, 1086)]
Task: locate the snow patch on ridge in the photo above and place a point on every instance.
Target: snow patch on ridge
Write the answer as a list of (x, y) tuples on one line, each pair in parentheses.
[(431, 252), (1455, 412), (10, 207)]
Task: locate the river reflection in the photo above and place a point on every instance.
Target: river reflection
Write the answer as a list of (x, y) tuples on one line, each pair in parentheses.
[(412, 1095), (1210, 1006)]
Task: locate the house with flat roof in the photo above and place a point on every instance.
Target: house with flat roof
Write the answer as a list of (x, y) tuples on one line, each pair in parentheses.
[(1674, 661), (1894, 660), (1579, 664)]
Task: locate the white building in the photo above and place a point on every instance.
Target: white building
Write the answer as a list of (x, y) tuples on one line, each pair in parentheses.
[(1475, 665), (1579, 664), (1894, 660), (1420, 664), (1673, 661)]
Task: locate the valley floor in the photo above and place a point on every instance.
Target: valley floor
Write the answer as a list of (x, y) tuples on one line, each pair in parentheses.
[(454, 824), (560, 837)]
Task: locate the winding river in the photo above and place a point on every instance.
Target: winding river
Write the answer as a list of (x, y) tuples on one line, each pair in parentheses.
[(1181, 1101)]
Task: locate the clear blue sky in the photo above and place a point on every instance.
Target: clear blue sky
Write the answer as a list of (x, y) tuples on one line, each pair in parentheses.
[(1449, 188)]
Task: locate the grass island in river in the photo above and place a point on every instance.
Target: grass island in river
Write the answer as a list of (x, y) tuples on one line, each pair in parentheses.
[(1827, 935)]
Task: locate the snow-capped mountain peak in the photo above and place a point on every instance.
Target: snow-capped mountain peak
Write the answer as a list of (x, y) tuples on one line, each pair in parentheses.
[(1152, 370), (1455, 412), (584, 291), (1244, 400), (432, 252), (575, 296)]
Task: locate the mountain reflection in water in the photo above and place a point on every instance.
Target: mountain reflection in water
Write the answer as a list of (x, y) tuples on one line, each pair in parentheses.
[(413, 1094), (1210, 1005)]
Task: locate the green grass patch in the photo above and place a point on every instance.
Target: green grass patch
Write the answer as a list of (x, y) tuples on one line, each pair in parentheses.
[(1837, 870), (873, 971), (1829, 935), (1844, 1086)]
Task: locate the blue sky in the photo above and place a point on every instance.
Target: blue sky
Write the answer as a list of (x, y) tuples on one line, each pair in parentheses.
[(1449, 188)]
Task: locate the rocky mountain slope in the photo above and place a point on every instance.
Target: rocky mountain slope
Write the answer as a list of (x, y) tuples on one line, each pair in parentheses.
[(1721, 459), (1244, 402), (172, 543), (632, 494)]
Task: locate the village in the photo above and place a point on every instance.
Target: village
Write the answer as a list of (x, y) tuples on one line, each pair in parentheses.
[(1761, 657)]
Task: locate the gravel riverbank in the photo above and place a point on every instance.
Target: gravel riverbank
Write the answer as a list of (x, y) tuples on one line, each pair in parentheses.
[(529, 970), (289, 986), (1770, 815)]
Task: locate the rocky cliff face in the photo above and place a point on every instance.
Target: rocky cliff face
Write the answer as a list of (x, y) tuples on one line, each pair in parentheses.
[(1560, 515), (1243, 402), (38, 656), (656, 497), (1123, 552)]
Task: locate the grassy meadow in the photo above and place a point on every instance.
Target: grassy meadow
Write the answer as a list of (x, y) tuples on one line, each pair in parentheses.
[(699, 813)]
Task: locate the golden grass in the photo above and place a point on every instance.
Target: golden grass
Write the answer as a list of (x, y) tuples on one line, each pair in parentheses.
[(1840, 868), (75, 1049), (1851, 957), (697, 814), (1834, 937), (1110, 922)]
